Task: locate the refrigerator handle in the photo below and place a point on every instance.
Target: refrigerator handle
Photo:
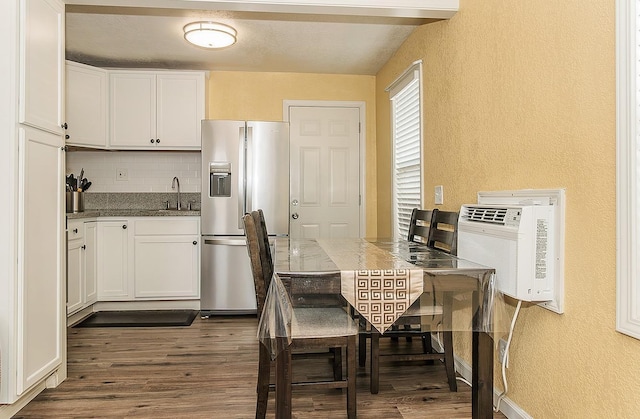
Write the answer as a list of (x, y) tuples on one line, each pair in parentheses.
[(240, 241), (241, 178), (249, 172)]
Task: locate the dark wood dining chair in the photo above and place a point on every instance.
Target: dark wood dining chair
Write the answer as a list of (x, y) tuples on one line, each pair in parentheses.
[(419, 225), (441, 235), (314, 329), (418, 233)]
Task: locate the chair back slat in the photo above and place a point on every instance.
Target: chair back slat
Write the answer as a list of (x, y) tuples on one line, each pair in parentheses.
[(253, 247), (443, 234), (420, 225), (265, 248)]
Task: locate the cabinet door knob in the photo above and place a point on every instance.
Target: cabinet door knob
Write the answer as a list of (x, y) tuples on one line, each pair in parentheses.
[(124, 226), (64, 125), (157, 140), (75, 230), (84, 246), (66, 137), (195, 242)]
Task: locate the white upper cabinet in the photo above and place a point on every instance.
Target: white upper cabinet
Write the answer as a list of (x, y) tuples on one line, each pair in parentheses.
[(157, 110), (42, 64), (133, 109), (180, 109), (86, 105)]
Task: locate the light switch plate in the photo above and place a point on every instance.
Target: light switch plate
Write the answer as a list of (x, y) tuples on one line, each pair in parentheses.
[(439, 195)]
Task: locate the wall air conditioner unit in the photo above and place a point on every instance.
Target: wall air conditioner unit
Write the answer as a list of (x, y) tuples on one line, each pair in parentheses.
[(516, 240)]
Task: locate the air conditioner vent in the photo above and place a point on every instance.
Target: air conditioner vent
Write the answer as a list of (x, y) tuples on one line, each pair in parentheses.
[(485, 214)]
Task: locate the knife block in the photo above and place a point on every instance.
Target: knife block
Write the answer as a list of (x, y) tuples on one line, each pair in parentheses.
[(75, 201)]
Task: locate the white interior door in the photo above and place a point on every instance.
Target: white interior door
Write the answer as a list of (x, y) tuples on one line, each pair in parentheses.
[(325, 184)]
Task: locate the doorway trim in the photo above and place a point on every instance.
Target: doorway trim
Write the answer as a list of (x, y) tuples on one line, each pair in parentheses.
[(286, 104)]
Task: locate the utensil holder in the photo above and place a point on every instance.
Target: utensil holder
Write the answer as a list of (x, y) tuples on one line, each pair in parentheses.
[(75, 202)]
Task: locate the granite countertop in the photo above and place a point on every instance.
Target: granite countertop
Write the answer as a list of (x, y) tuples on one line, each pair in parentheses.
[(94, 213), (136, 205)]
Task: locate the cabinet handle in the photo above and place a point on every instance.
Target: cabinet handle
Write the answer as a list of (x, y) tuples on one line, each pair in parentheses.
[(157, 140), (195, 242), (64, 125), (124, 226), (84, 246), (75, 230), (153, 141), (66, 137)]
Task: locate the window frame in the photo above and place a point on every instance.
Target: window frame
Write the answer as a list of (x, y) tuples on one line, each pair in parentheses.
[(411, 75), (627, 169)]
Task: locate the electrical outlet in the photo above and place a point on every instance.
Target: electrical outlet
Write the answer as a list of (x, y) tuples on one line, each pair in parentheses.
[(122, 174), (502, 348)]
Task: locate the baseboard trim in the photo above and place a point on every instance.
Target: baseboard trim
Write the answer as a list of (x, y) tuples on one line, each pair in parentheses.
[(79, 316), (507, 406), (147, 305), (10, 410)]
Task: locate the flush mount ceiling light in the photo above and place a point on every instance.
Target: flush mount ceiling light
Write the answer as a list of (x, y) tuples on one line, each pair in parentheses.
[(210, 34)]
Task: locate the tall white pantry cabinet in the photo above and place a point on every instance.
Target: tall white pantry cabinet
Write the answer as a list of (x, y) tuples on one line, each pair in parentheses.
[(32, 267)]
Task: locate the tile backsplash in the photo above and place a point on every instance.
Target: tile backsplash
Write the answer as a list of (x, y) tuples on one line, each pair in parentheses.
[(144, 171)]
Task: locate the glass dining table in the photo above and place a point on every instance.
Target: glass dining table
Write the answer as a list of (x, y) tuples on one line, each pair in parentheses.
[(380, 279)]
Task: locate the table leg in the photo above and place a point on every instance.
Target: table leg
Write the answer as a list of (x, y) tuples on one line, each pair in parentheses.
[(482, 370), (283, 384), (374, 384)]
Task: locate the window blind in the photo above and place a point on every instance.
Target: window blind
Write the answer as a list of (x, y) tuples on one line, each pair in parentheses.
[(628, 167), (406, 133)]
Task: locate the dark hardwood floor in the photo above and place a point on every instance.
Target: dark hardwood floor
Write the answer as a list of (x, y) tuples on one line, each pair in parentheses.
[(209, 370)]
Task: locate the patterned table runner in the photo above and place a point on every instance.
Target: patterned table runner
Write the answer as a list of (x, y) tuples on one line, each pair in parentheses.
[(378, 285)]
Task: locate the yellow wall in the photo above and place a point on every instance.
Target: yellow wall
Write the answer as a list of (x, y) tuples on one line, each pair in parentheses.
[(520, 95), (260, 96)]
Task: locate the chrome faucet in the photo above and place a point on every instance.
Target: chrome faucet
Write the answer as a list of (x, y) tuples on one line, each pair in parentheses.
[(175, 182)]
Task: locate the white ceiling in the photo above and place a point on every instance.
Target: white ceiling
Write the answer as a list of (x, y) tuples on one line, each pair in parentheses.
[(142, 37)]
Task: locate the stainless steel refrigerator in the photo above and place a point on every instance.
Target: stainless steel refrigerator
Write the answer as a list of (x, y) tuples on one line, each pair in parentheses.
[(245, 166)]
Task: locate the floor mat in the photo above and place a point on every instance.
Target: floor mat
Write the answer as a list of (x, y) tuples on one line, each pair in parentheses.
[(147, 318)]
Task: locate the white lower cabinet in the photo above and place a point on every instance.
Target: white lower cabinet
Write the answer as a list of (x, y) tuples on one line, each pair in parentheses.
[(149, 258), (90, 263), (113, 261), (167, 258), (40, 281), (75, 267), (81, 265), (167, 266), (32, 293)]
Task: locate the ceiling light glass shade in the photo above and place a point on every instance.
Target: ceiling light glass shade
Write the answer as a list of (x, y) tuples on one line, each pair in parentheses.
[(210, 34)]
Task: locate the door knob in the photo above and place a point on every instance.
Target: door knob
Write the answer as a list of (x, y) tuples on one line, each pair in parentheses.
[(124, 226), (295, 202), (295, 215)]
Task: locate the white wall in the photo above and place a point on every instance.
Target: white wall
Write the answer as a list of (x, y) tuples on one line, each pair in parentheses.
[(147, 171)]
